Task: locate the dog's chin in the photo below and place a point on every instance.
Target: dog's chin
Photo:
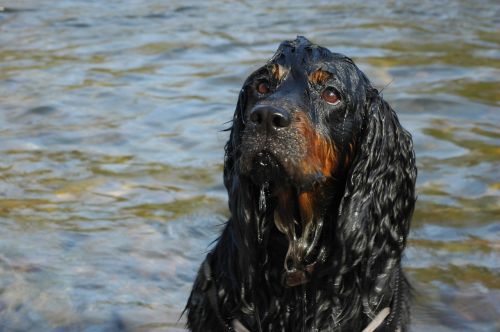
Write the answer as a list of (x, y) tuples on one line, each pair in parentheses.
[(267, 169)]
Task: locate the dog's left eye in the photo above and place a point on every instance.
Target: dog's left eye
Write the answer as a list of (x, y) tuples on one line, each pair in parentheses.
[(263, 87), (331, 96)]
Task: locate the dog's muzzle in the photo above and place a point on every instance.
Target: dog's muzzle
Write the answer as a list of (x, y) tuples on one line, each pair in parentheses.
[(266, 168)]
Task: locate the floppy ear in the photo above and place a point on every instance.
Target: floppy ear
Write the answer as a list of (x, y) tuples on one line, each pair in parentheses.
[(244, 227), (232, 153), (378, 201)]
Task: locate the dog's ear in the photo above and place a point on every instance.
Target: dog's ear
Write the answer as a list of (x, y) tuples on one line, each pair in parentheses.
[(239, 189), (378, 201), (245, 224), (231, 149)]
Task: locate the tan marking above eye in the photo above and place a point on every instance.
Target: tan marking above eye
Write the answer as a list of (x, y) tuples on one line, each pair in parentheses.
[(275, 70), (278, 72), (319, 76)]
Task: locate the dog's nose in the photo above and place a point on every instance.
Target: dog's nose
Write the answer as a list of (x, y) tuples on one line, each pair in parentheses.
[(270, 118)]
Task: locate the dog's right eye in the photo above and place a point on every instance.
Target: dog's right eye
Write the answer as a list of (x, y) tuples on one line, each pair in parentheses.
[(263, 87)]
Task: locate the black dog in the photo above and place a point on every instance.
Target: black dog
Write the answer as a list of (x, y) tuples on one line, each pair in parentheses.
[(321, 183)]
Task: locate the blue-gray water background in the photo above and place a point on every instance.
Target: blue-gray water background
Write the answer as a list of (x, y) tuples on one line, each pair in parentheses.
[(111, 146)]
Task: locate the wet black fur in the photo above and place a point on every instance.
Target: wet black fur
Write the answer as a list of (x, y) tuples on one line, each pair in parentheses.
[(366, 216)]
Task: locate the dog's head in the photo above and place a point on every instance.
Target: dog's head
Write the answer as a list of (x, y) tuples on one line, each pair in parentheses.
[(301, 113), (315, 140)]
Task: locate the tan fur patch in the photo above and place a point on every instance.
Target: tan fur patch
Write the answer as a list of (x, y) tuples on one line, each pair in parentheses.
[(321, 155), (319, 76), (277, 72), (306, 200), (284, 212)]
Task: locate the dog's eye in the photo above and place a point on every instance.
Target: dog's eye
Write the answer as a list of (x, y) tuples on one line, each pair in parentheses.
[(331, 96), (263, 87)]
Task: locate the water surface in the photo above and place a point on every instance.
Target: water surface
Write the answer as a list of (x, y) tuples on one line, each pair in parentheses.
[(111, 145)]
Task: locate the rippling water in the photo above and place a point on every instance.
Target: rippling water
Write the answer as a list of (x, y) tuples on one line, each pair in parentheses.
[(111, 143)]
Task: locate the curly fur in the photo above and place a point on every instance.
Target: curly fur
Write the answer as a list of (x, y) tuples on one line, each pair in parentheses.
[(350, 216)]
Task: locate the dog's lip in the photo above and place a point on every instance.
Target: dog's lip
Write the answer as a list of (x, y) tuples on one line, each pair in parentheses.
[(266, 168), (263, 157)]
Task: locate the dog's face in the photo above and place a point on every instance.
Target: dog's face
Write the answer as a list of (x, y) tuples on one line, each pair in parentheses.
[(301, 114)]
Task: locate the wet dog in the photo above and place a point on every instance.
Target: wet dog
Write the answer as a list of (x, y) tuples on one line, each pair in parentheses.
[(321, 182)]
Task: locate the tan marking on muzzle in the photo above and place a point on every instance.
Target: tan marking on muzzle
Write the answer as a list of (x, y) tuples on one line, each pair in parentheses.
[(321, 155)]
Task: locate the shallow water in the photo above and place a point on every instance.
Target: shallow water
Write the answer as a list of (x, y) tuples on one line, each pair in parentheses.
[(111, 119)]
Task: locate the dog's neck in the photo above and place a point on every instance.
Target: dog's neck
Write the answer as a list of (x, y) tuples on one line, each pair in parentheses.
[(293, 227)]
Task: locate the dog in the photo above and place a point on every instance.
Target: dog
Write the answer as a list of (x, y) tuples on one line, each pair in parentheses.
[(321, 183)]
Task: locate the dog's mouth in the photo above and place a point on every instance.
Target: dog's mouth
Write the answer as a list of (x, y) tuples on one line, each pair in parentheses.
[(267, 169)]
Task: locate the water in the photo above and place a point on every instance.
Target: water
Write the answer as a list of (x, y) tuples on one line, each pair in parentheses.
[(111, 119)]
